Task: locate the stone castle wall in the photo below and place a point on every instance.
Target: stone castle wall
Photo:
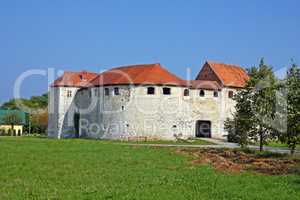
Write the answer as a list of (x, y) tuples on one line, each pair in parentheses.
[(135, 113)]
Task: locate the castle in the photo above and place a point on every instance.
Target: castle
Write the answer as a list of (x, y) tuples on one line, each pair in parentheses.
[(144, 101)]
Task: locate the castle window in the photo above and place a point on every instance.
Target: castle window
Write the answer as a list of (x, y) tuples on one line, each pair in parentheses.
[(122, 107), (106, 91), (216, 94), (151, 90), (230, 94), (96, 92), (69, 93), (202, 93), (186, 92), (166, 91), (116, 91)]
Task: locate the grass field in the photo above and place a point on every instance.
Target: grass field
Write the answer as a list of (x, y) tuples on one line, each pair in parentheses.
[(279, 144), (35, 168)]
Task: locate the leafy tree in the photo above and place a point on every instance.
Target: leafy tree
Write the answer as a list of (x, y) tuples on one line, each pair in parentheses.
[(255, 107), (39, 121), (263, 102), (12, 119), (292, 134), (35, 102), (240, 126), (12, 104)]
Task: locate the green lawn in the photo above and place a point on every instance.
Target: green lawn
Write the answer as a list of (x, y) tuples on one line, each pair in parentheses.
[(278, 144), (35, 168)]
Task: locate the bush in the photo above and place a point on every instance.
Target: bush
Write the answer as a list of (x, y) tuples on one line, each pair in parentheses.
[(232, 137)]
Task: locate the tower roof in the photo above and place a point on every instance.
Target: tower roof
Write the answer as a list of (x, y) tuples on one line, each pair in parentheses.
[(74, 79), (229, 75)]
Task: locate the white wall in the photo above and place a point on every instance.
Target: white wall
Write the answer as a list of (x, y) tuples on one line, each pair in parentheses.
[(60, 123), (135, 113)]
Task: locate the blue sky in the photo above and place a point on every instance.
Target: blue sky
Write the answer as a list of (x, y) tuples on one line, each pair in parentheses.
[(98, 34)]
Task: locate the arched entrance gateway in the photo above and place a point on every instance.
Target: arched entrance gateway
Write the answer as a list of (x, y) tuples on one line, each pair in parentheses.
[(203, 129)]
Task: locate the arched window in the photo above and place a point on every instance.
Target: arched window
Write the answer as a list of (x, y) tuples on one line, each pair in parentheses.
[(166, 91), (216, 94), (202, 93), (186, 92), (230, 94), (116, 91), (150, 90)]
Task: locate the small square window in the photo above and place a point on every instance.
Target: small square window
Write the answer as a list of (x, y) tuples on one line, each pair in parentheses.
[(166, 91), (106, 91), (69, 93), (151, 90), (216, 94), (230, 94), (116, 91)]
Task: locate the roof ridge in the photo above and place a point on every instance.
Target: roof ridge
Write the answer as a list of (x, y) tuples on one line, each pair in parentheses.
[(152, 67), (228, 74), (212, 68), (226, 64), (82, 71), (134, 65)]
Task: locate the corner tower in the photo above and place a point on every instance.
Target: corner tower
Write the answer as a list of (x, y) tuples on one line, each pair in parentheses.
[(61, 100)]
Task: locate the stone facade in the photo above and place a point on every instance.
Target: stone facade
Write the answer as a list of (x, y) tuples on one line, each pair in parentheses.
[(135, 113), (122, 111)]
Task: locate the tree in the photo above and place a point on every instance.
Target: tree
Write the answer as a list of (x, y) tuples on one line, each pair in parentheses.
[(38, 117), (255, 107), (263, 102), (240, 126), (35, 102), (39, 121), (12, 119), (292, 134)]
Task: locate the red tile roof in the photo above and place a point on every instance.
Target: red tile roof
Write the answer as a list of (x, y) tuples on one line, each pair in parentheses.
[(229, 75), (143, 74), (74, 79), (153, 74)]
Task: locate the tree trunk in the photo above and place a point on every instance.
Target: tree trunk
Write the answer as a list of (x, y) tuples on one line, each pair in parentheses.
[(261, 148), (292, 148), (292, 151)]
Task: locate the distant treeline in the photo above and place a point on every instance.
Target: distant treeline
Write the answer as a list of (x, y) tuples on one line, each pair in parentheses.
[(38, 119)]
